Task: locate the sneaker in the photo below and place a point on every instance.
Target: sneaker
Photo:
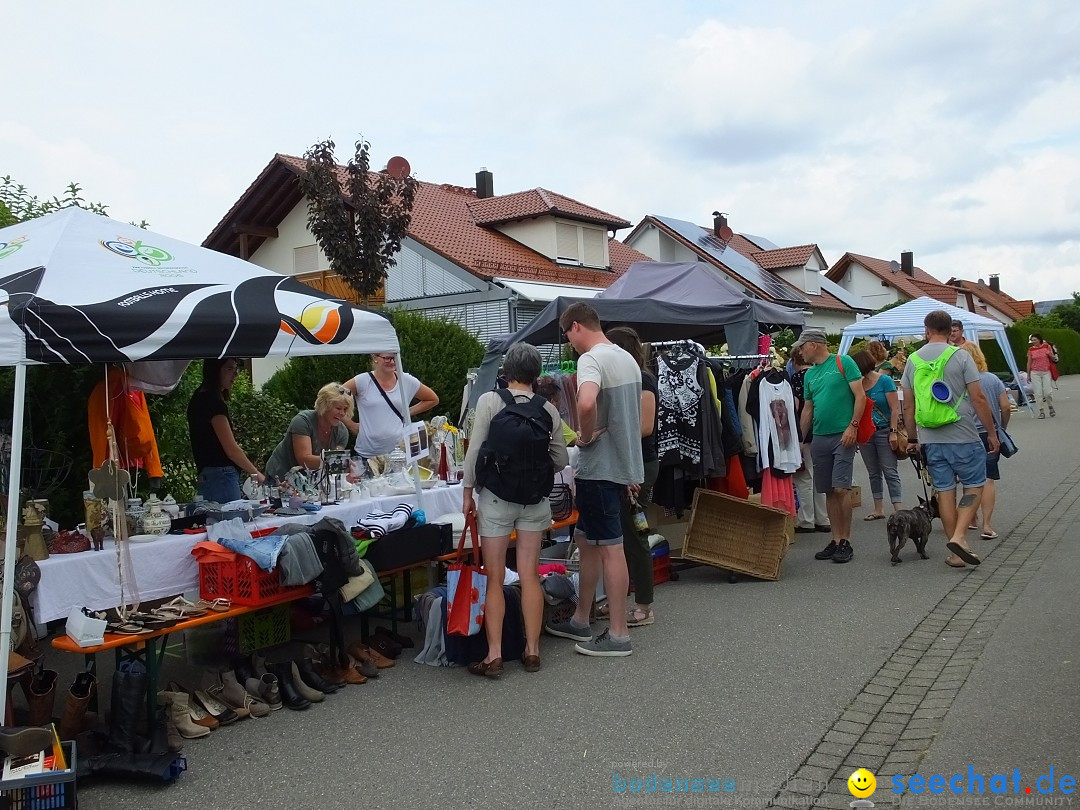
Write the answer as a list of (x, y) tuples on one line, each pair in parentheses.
[(827, 552), (605, 645), (1052, 411), (570, 629), (843, 553), (1042, 415)]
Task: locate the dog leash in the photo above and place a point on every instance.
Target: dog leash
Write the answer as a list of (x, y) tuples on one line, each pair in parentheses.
[(923, 473)]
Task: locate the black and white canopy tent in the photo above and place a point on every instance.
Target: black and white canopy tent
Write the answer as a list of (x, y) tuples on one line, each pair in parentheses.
[(661, 301), (76, 287)]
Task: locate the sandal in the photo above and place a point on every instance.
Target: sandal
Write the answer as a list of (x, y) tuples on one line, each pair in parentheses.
[(872, 516), (639, 617), (219, 605), (185, 608), (603, 612)]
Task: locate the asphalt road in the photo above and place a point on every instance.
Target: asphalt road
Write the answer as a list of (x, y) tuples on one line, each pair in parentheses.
[(746, 683)]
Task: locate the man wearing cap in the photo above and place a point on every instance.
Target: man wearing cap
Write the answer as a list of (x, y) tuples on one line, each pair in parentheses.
[(834, 402), (953, 451)]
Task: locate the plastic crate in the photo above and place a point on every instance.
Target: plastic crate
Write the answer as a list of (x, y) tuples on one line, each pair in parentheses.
[(267, 628), (738, 535), (242, 581), (52, 789), (661, 564)]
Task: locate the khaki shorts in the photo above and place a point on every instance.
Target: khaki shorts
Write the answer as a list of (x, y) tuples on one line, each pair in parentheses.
[(498, 518)]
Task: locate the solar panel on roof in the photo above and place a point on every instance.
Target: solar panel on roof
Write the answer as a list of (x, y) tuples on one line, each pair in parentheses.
[(760, 241), (741, 266)]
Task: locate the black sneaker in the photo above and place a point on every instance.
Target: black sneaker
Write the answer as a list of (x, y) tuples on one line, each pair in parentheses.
[(844, 552), (827, 552)]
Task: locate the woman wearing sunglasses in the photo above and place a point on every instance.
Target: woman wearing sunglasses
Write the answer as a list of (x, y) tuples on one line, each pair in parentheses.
[(379, 420), (312, 431)]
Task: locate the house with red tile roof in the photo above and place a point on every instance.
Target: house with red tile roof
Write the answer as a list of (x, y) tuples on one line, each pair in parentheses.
[(790, 276), (879, 282), (989, 297), (488, 262)]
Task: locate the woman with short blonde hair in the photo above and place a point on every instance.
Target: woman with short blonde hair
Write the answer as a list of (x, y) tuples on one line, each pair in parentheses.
[(311, 432)]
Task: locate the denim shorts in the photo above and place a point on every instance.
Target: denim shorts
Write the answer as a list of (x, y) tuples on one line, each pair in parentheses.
[(600, 511), (219, 484), (498, 518), (949, 462), (992, 471), (833, 463)]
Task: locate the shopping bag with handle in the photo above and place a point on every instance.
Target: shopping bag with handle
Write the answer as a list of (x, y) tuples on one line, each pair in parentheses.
[(466, 587)]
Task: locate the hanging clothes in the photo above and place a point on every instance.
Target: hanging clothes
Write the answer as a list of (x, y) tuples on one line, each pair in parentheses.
[(678, 423), (778, 436), (126, 407)]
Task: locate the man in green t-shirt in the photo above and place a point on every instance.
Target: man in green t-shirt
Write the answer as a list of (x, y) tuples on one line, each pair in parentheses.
[(834, 402)]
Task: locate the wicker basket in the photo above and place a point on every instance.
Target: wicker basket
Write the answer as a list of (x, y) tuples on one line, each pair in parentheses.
[(738, 535)]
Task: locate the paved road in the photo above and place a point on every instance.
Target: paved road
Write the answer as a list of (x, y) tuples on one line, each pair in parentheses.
[(779, 688)]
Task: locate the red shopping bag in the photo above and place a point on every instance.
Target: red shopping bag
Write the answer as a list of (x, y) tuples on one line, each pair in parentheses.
[(466, 587)]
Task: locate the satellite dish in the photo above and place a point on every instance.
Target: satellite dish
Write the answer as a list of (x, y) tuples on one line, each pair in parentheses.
[(726, 233), (398, 167), (894, 266)]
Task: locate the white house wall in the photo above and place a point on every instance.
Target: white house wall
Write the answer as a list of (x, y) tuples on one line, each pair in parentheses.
[(832, 321), (867, 287), (277, 254), (537, 234), (661, 247)]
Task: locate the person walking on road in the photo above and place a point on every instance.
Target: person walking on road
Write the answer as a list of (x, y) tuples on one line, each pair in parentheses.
[(609, 436), (940, 418), (997, 395), (1040, 356), (879, 454), (834, 402)]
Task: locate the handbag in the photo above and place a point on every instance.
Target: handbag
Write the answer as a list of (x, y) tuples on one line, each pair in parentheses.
[(68, 542), (466, 588), (866, 428), (1008, 447), (901, 435)]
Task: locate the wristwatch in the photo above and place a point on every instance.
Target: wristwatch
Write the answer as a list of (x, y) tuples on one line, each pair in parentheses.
[(855, 423)]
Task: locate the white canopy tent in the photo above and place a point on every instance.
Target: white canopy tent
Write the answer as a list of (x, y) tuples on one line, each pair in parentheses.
[(76, 287), (907, 320)]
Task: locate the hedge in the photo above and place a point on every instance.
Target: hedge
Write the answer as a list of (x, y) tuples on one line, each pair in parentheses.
[(1066, 341)]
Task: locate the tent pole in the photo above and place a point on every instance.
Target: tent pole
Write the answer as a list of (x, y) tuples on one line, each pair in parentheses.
[(14, 487)]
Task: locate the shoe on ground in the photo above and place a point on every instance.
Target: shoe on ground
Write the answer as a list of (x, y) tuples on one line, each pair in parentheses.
[(639, 617), (821, 527), (844, 552), (1053, 412), (489, 669), (567, 629), (827, 552), (1042, 415), (605, 646), (804, 529)]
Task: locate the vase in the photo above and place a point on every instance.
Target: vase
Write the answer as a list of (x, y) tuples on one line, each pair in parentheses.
[(155, 521)]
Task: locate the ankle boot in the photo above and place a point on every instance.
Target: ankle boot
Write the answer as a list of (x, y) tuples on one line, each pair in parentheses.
[(179, 711), (313, 679), (79, 695), (244, 670), (41, 697), (308, 693), (266, 690), (237, 696), (289, 696), (128, 697)]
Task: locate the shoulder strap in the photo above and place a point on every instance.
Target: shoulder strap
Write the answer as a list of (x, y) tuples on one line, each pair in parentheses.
[(839, 365), (379, 388), (505, 395)]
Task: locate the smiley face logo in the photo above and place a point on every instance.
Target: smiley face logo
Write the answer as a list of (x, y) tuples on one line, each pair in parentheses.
[(862, 784)]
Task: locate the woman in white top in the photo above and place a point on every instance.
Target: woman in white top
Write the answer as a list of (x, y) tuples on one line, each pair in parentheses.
[(379, 420)]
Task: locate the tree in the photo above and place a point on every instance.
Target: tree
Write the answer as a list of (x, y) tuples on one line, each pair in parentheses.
[(17, 204), (1069, 314), (359, 226)]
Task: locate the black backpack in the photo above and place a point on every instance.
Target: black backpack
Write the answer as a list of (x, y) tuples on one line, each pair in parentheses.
[(514, 462)]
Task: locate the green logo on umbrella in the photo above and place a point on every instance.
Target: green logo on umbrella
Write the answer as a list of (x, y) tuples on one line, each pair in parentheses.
[(147, 254), (7, 248)]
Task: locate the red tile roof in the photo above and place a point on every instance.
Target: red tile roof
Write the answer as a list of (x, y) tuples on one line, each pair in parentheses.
[(1003, 303), (784, 257), (538, 202), (442, 221), (912, 287)]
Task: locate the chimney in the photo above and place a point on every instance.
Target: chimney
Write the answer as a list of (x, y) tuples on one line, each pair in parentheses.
[(719, 222), (995, 284), (485, 184), (907, 263)]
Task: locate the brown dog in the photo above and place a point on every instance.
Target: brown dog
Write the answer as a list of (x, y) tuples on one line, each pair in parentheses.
[(914, 524)]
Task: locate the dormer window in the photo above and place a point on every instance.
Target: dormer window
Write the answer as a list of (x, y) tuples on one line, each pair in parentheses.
[(579, 244)]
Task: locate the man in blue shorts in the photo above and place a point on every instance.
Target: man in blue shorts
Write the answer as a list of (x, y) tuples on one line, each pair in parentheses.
[(953, 451), (609, 435)]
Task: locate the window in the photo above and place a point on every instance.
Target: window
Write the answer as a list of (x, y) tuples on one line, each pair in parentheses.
[(581, 245), (305, 259), (566, 243)]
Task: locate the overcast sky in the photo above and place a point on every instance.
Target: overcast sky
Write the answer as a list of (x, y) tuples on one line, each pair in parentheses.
[(948, 128)]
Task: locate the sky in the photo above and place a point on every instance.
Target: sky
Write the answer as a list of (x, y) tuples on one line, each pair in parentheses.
[(950, 128)]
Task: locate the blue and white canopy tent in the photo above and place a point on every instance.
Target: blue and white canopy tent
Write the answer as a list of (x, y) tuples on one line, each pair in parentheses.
[(77, 287), (907, 320)]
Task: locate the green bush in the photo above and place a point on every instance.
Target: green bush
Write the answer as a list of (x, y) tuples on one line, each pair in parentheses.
[(1066, 341), (437, 352)]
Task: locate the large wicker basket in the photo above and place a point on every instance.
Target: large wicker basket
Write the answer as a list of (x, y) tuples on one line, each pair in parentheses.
[(738, 535)]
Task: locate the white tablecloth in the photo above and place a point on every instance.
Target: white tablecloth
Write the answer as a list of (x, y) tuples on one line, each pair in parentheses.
[(165, 567)]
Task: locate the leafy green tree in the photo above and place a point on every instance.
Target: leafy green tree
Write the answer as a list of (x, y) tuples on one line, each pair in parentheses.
[(20, 205), (357, 216), (1069, 314)]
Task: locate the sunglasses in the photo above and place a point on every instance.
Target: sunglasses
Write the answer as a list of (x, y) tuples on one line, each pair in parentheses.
[(566, 332)]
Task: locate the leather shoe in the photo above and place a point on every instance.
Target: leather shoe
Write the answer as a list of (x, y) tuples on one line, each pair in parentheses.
[(402, 641), (489, 669), (310, 694), (383, 645), (804, 529), (531, 663), (361, 651), (289, 696), (313, 679), (17, 741), (265, 689), (823, 529)]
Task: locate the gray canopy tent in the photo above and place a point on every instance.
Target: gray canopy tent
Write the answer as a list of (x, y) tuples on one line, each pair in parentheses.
[(661, 302)]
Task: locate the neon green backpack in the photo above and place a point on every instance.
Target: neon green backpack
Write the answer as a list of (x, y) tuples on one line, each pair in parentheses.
[(930, 411)]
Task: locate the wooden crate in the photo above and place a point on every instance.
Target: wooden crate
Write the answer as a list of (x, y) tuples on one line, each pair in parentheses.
[(738, 535)]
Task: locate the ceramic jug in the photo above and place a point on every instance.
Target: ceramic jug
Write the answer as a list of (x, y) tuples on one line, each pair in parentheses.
[(171, 507), (155, 521)]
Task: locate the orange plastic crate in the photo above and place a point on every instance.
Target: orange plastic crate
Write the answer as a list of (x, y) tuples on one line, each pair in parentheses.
[(242, 581)]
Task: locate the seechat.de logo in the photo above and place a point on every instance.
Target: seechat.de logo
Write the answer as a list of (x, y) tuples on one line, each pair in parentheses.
[(132, 249)]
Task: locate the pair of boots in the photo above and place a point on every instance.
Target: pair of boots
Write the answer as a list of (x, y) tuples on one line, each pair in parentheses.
[(285, 683), (41, 698)]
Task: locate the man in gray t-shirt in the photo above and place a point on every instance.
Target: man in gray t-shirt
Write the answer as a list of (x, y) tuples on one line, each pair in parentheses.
[(609, 418), (952, 451)]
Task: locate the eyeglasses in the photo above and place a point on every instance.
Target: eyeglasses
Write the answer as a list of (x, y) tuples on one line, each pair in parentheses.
[(341, 389), (384, 357), (566, 332)]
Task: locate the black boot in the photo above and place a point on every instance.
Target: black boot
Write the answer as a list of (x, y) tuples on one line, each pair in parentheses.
[(128, 699), (312, 678), (289, 696), (244, 670)]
